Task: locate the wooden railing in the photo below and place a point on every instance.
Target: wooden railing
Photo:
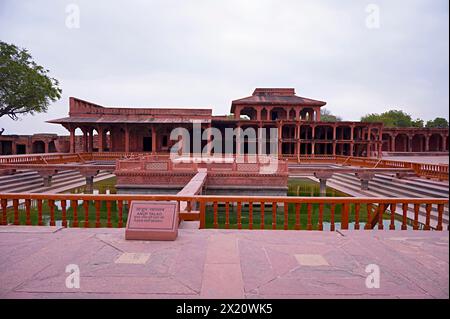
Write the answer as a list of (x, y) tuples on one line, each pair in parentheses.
[(437, 171), (239, 212)]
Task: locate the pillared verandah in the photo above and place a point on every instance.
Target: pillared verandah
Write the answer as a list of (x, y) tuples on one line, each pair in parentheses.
[(297, 119)]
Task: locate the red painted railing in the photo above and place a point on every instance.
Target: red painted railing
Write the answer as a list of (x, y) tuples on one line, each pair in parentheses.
[(263, 212), (437, 171)]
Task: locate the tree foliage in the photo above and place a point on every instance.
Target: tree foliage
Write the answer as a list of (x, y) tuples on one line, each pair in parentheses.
[(438, 122), (392, 118), (25, 87), (327, 116)]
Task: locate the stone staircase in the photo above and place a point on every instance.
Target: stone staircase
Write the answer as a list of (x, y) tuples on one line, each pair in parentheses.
[(385, 185), (28, 181)]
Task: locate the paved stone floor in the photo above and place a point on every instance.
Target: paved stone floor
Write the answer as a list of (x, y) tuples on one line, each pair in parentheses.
[(223, 264)]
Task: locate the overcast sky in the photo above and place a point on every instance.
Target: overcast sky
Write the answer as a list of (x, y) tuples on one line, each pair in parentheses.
[(205, 53)]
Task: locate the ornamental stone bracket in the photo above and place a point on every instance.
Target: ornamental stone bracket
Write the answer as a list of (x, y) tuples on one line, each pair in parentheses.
[(47, 175), (89, 174), (365, 177)]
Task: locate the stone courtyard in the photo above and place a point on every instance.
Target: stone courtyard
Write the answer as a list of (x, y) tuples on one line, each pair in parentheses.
[(223, 264)]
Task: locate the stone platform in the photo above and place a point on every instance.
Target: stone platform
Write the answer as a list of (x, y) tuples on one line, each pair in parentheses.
[(223, 264)]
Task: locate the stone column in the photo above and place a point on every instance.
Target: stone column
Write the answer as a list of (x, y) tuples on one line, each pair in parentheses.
[(280, 139), (392, 146), (101, 139), (297, 141), (238, 139), (85, 140), (209, 140), (153, 139), (72, 140), (410, 143), (369, 142), (127, 139), (323, 177), (46, 146), (427, 143)]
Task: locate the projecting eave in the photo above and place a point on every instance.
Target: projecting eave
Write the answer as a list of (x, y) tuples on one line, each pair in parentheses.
[(276, 100), (115, 120)]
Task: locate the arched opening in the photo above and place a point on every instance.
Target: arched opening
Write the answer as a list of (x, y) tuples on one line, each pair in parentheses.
[(401, 143), (343, 132), (305, 132), (418, 143), (278, 113), (288, 131), (387, 143), (21, 149), (51, 147), (264, 114), (435, 143), (307, 114), (323, 132), (107, 141), (38, 147), (95, 141), (249, 112), (292, 115), (78, 140)]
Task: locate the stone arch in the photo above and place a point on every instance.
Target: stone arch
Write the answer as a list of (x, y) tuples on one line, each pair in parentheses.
[(292, 115), (306, 132), (264, 113), (307, 114), (52, 147), (435, 143), (418, 143), (323, 132), (401, 143), (38, 147), (249, 111), (387, 142), (278, 113)]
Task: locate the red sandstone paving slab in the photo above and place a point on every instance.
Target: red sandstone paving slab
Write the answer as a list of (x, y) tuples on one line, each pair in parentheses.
[(100, 262), (222, 249), (84, 295), (222, 281), (406, 268), (109, 285), (55, 253), (29, 229)]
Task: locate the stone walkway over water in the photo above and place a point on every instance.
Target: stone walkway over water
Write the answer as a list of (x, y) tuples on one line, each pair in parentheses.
[(223, 264)]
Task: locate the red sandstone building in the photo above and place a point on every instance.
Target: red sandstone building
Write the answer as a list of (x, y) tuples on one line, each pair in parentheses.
[(297, 119)]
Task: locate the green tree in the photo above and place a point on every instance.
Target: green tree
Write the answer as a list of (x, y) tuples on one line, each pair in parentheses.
[(25, 87), (438, 122), (417, 123), (327, 116), (392, 118)]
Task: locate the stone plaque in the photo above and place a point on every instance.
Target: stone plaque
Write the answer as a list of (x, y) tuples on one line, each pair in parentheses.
[(152, 220)]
